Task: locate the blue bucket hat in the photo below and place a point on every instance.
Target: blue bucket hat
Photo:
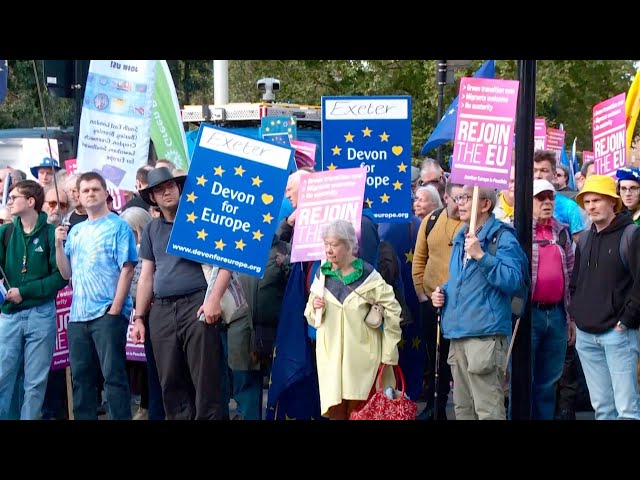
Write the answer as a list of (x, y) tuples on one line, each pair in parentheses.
[(628, 173), (46, 162)]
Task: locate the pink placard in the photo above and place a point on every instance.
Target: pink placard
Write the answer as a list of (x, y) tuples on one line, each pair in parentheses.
[(555, 141), (609, 136), (60, 358), (308, 148), (71, 166), (587, 156), (540, 134), (484, 132), (118, 198), (135, 352), (322, 198)]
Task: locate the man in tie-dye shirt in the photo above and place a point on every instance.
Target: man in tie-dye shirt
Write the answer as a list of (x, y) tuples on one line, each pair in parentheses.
[(100, 254)]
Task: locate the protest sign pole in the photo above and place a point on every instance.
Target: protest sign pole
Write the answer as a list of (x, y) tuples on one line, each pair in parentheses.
[(69, 392), (474, 211), (319, 312)]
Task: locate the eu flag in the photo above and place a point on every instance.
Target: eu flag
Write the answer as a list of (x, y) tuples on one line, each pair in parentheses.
[(4, 73), (293, 389), (446, 128)]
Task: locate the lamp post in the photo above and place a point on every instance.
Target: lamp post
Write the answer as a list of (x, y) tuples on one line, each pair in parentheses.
[(441, 81)]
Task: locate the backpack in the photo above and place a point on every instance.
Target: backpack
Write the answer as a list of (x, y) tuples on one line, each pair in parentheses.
[(433, 218), (7, 235), (519, 299), (562, 240), (625, 242)]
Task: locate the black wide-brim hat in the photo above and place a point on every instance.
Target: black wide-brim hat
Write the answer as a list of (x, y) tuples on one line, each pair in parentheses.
[(156, 177)]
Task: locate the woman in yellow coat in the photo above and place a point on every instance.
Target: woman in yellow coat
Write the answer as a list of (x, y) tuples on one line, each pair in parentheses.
[(348, 351)]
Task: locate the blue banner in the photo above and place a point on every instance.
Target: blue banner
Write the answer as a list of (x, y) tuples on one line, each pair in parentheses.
[(374, 133), (271, 125), (230, 202)]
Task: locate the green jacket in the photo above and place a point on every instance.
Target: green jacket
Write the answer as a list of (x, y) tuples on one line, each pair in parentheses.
[(42, 280)]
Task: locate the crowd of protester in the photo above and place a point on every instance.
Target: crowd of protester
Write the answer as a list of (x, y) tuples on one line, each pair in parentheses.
[(456, 288)]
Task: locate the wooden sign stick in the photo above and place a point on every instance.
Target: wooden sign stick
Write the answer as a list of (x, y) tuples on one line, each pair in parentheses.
[(474, 211), (318, 320)]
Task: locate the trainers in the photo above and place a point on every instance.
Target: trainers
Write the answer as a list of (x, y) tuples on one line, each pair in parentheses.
[(141, 414)]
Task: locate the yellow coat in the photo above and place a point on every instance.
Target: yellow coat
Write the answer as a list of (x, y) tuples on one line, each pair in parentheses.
[(348, 352)]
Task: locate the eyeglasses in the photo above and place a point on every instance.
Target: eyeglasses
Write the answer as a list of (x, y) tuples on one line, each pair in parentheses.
[(12, 198), (422, 183), (464, 198), (545, 195), (53, 204), (633, 190)]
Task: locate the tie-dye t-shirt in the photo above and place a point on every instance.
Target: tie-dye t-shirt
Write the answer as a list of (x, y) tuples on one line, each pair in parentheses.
[(97, 250)]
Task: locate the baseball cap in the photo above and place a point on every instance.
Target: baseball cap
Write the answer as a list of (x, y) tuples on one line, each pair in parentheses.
[(542, 185)]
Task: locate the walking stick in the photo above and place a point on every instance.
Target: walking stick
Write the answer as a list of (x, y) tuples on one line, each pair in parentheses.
[(437, 366), (513, 339)]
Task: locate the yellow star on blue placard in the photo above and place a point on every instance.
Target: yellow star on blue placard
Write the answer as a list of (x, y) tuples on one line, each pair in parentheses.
[(220, 245), (240, 245), (336, 150), (239, 170), (256, 181), (366, 132), (368, 202), (384, 137), (191, 217), (267, 218), (331, 167), (402, 167), (218, 170), (385, 198), (191, 197), (415, 342), (257, 235), (202, 234), (201, 180), (397, 185), (409, 256), (348, 137)]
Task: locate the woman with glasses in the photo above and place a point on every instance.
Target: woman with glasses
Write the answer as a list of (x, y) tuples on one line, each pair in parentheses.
[(629, 190)]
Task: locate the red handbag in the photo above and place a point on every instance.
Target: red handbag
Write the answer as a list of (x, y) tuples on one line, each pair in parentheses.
[(380, 407)]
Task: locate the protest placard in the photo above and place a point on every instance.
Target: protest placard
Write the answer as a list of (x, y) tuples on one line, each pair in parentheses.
[(372, 133), (609, 136), (230, 202)]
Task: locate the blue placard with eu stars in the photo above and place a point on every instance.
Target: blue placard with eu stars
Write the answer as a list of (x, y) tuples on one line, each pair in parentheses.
[(271, 125), (374, 133), (230, 202)]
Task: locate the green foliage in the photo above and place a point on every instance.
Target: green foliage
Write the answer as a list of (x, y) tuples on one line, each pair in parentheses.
[(566, 90)]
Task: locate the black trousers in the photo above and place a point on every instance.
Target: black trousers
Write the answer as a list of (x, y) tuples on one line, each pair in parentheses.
[(187, 353), (428, 316)]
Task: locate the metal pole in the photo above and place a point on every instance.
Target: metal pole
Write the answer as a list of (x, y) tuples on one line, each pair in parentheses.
[(441, 81), (520, 401), (80, 71), (220, 82)]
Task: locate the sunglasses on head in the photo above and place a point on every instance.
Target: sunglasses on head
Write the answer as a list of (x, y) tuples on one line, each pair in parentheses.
[(54, 204)]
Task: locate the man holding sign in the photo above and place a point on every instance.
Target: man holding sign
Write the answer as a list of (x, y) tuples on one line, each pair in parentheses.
[(477, 306), (188, 352)]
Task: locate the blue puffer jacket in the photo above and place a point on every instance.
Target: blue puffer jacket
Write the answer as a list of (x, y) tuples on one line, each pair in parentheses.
[(478, 296)]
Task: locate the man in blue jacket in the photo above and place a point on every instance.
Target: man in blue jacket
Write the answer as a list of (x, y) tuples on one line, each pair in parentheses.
[(476, 317)]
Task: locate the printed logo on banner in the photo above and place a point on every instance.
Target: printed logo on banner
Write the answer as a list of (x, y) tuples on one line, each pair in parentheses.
[(484, 132), (231, 200), (609, 136), (372, 133)]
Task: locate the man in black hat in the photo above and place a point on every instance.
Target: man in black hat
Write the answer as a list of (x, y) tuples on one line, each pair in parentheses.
[(170, 295)]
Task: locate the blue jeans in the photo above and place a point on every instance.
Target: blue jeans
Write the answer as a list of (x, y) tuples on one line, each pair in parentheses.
[(27, 340), (247, 392), (104, 338), (610, 361), (548, 350)]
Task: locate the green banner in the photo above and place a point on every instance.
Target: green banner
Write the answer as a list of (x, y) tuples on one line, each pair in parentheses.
[(167, 132)]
